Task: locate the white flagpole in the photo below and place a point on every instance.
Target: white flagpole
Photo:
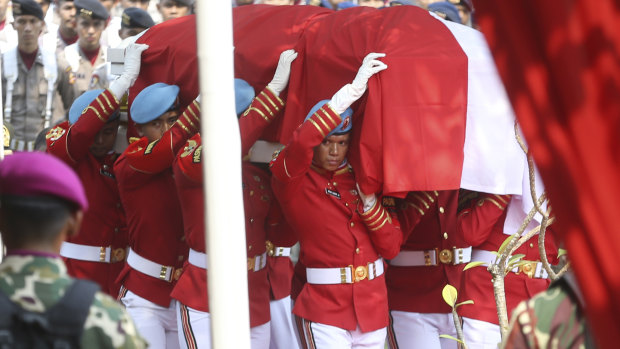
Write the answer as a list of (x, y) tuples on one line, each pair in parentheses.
[(221, 154)]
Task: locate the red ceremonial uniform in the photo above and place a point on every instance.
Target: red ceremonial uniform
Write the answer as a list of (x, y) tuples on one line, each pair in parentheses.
[(324, 209), (257, 200), (279, 268), (418, 289), (104, 222), (482, 226), (148, 193)]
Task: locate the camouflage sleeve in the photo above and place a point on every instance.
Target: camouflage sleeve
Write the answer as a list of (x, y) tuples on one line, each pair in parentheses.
[(109, 326), (66, 79)]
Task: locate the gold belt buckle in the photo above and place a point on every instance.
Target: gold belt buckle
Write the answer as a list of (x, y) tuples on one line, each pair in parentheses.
[(270, 248), (163, 272), (118, 255), (102, 253), (360, 273), (251, 263), (445, 256), (528, 269)]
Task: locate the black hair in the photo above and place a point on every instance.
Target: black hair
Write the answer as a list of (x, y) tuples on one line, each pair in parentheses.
[(33, 219)]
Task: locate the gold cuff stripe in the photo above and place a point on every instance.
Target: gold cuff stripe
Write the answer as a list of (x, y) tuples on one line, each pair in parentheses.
[(108, 101), (317, 127), (285, 169), (379, 227), (421, 199), (259, 112), (266, 96), (190, 122), (330, 118), (494, 203), (180, 122), (429, 196), (278, 99), (379, 219), (370, 215), (96, 112), (191, 112), (102, 106), (369, 212), (500, 199), (417, 208), (116, 101), (264, 105), (322, 121), (197, 106)]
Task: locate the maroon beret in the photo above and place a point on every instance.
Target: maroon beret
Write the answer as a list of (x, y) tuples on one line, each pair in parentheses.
[(40, 174)]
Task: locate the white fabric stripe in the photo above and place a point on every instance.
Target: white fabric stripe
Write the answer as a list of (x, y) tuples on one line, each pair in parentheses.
[(145, 266), (328, 276), (85, 252), (197, 259), (416, 258), (493, 159), (260, 261)]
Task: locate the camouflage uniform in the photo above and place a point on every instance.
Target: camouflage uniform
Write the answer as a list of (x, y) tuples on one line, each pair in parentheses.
[(552, 319), (36, 283)]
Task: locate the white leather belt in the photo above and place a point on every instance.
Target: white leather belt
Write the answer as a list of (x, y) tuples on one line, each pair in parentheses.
[(197, 259), (257, 262), (344, 275), (533, 269), (277, 251), (88, 253), (147, 267), (433, 257)]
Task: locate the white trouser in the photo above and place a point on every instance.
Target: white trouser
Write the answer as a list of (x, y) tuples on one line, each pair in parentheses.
[(156, 324), (282, 330), (194, 328), (481, 334), (419, 330), (321, 336)]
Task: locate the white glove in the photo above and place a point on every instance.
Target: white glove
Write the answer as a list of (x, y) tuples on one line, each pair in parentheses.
[(131, 69), (368, 200), (283, 72), (350, 93)]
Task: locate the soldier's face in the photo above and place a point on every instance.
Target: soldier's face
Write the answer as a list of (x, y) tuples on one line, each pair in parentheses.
[(331, 152), (171, 9), (105, 139), (278, 2), (28, 29), (143, 4), (155, 129), (66, 12), (89, 31)]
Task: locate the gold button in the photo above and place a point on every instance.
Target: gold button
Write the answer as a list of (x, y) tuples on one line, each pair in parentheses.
[(445, 235), (249, 247), (251, 220), (346, 204), (251, 192), (531, 245), (441, 210), (335, 184), (181, 257), (352, 224), (357, 250)]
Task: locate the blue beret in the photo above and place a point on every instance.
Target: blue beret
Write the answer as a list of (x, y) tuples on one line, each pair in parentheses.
[(134, 17), (244, 94), (345, 4), (91, 9), (83, 101), (27, 7), (153, 102), (345, 125), (445, 10)]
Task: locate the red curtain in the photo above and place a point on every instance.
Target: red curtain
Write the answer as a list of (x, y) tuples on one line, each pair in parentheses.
[(560, 62)]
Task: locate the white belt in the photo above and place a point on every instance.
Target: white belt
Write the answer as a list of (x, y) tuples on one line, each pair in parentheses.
[(21, 145), (257, 262), (344, 275), (533, 269), (158, 271), (277, 251), (91, 253), (434, 257), (197, 259)]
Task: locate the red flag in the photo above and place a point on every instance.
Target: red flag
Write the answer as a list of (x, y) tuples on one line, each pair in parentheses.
[(560, 61)]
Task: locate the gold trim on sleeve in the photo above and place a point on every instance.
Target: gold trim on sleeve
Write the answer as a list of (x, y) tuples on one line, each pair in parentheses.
[(96, 112)]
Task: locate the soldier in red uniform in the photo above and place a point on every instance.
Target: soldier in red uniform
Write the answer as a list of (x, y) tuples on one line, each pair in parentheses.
[(482, 226), (86, 142), (190, 291), (432, 256), (344, 234), (146, 185)]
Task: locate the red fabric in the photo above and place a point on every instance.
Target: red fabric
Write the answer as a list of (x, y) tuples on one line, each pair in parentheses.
[(28, 58), (68, 41), (559, 61), (104, 222), (418, 103), (91, 55)]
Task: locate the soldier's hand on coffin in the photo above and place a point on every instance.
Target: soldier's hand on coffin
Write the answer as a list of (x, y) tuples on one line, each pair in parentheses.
[(283, 72), (350, 93), (131, 69), (368, 200)]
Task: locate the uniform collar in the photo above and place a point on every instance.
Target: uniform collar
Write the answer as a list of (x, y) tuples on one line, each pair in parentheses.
[(344, 168)]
